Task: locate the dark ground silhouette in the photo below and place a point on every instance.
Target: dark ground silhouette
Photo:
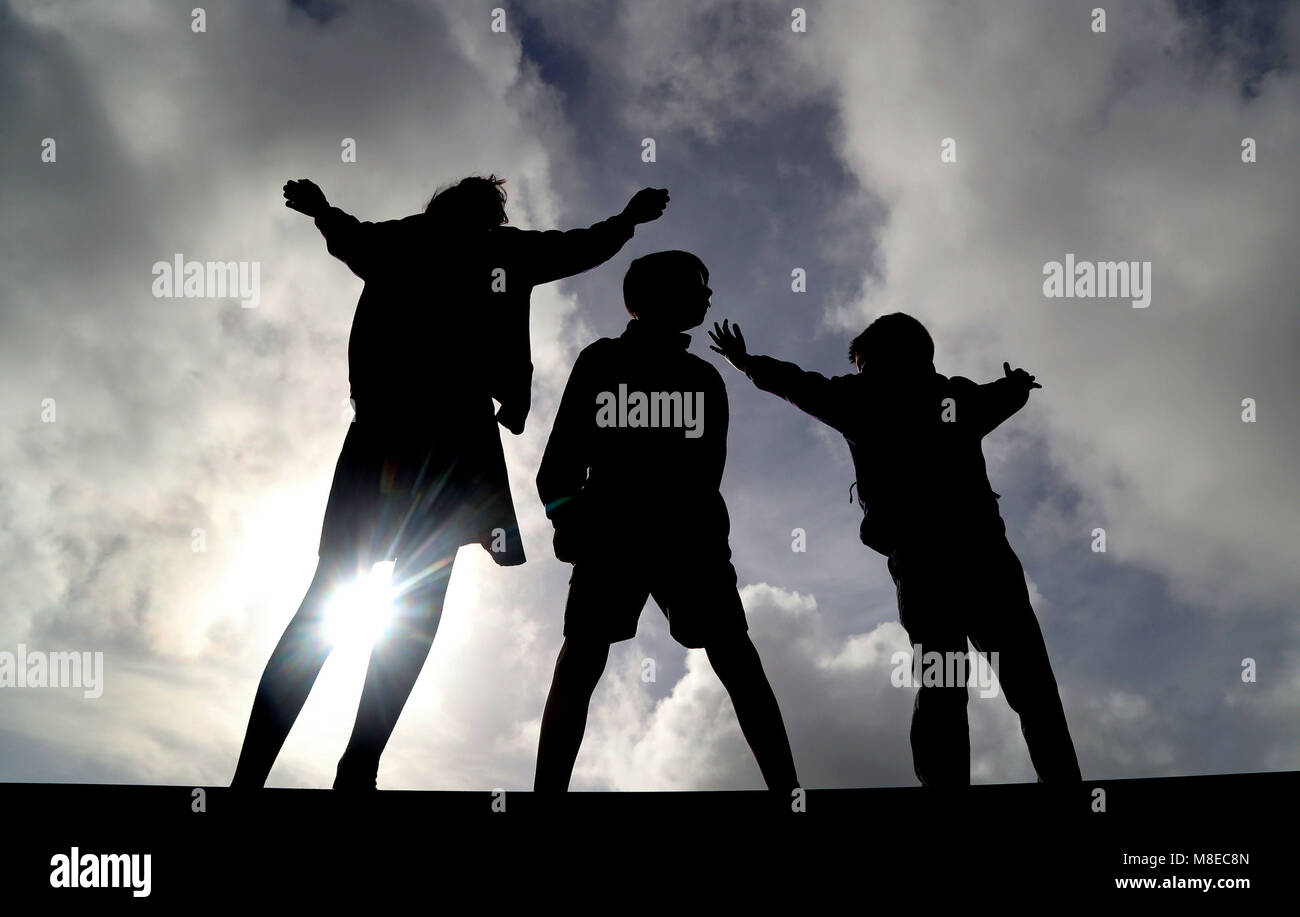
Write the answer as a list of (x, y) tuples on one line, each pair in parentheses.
[(915, 437), (637, 510), (441, 329), (982, 841)]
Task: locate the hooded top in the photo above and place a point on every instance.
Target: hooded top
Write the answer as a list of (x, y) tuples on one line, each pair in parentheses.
[(916, 448)]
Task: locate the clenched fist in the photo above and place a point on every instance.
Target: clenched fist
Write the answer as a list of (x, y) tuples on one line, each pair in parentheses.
[(646, 205)]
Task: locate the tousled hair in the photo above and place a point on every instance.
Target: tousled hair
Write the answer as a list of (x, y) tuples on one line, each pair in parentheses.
[(894, 338), (471, 202)]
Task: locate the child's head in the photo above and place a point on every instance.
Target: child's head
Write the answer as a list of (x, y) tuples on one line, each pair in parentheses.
[(893, 344), (472, 203), (669, 289)]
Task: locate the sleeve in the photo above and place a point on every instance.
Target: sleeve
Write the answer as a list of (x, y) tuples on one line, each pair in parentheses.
[(991, 403), (829, 400), (563, 470), (715, 430), (512, 383), (552, 255), (357, 244)]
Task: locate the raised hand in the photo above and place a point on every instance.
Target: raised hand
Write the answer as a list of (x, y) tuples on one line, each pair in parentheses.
[(304, 196), (1019, 376), (728, 341), (646, 205)]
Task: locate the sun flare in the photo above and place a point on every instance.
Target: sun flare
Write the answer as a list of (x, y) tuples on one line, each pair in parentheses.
[(360, 611)]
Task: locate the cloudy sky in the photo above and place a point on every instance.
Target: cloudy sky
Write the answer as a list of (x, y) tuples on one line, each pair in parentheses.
[(782, 149)]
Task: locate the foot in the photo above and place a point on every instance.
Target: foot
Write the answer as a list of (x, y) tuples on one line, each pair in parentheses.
[(351, 778)]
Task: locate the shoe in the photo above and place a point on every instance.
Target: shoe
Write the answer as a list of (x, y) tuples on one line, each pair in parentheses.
[(349, 778)]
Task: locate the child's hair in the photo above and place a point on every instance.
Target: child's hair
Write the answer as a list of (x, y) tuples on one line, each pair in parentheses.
[(473, 201), (896, 339), (653, 278)]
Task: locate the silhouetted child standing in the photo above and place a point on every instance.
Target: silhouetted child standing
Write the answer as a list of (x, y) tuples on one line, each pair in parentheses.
[(915, 440), (630, 479)]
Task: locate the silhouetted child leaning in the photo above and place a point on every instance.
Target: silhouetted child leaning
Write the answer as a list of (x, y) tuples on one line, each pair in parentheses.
[(630, 479), (922, 484)]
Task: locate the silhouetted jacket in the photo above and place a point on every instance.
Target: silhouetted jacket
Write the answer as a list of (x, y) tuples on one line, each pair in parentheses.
[(614, 489), (432, 343), (411, 265), (919, 478)]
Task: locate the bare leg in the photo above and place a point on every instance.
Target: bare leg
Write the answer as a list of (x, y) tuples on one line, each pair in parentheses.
[(577, 672), (395, 663), (286, 682), (738, 666)]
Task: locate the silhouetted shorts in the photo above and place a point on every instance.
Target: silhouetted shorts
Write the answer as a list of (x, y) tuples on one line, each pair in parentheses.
[(697, 596)]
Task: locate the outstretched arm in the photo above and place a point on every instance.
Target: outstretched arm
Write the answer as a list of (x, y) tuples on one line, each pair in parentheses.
[(809, 391), (996, 401), (553, 254), (352, 241)]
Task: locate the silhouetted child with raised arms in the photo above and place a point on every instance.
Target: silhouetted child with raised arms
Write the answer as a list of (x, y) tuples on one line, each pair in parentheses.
[(922, 484), (441, 330), (630, 478)]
